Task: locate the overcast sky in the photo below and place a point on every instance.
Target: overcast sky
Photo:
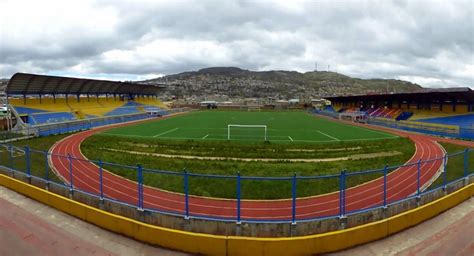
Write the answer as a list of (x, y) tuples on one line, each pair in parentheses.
[(427, 42)]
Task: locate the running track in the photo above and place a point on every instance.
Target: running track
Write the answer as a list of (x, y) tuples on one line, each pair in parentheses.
[(401, 183)]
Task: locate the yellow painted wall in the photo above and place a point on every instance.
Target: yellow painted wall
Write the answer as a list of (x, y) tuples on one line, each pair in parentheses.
[(462, 108), (447, 108)]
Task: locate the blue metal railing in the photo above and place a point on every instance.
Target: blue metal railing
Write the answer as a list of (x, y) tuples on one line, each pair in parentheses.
[(14, 157)]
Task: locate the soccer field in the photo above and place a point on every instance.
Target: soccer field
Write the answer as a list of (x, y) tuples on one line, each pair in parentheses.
[(281, 127)]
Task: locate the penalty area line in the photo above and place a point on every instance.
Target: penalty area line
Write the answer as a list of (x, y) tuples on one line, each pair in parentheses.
[(329, 136), (290, 138), (203, 138), (163, 133)]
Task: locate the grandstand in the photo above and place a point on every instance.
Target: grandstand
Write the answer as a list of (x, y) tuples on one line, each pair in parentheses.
[(39, 100), (448, 109)]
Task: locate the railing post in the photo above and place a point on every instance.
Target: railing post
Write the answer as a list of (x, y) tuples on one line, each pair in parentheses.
[(46, 167), (293, 202), (27, 159), (445, 172), (238, 198), (186, 195), (140, 186), (10, 152), (71, 181), (385, 170), (466, 162), (101, 182), (342, 194), (418, 174)]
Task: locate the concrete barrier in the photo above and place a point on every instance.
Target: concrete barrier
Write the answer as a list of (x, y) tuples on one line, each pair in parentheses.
[(234, 245)]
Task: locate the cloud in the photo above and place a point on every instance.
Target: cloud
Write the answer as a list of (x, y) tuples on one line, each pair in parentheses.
[(431, 43)]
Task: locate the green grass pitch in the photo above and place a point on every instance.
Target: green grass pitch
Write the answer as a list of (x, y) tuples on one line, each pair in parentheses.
[(282, 127)]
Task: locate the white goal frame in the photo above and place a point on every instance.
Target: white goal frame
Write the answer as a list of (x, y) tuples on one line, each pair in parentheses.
[(246, 126)]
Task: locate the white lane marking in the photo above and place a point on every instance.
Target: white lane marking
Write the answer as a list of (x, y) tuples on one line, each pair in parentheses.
[(163, 133), (329, 136)]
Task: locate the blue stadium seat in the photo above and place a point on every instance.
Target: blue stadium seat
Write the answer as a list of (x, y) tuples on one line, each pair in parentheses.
[(51, 117), (329, 109), (461, 120), (27, 111), (123, 111), (404, 115)]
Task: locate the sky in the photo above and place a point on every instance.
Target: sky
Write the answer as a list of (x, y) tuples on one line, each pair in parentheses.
[(427, 42)]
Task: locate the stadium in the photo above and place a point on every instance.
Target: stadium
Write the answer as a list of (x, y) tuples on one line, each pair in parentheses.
[(113, 154)]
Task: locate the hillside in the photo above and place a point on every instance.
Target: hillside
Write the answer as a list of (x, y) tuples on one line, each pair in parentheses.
[(3, 84), (234, 82)]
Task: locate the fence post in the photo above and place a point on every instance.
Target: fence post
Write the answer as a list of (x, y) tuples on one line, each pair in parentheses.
[(186, 195), (46, 167), (342, 194), (140, 187), (71, 181), (385, 170), (27, 159), (293, 202), (466, 162), (101, 183), (238, 198), (445, 181), (10, 152), (418, 170)]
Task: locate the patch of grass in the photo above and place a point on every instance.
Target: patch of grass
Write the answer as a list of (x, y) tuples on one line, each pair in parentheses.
[(455, 166), (38, 146), (245, 150), (251, 189)]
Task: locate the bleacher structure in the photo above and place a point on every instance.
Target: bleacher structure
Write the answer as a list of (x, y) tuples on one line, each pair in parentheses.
[(448, 111), (43, 105)]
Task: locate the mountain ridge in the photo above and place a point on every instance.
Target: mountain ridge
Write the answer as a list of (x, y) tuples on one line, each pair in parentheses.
[(235, 82)]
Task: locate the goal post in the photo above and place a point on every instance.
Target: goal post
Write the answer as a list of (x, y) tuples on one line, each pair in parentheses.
[(248, 128)]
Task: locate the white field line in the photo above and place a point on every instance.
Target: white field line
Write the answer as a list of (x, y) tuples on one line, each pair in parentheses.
[(290, 138), (329, 136), (163, 133), (203, 138), (216, 137)]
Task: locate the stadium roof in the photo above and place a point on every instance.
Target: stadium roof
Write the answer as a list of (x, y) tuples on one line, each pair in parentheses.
[(22, 83), (464, 94)]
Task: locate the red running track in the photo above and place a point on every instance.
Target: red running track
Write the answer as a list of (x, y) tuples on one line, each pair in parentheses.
[(401, 183)]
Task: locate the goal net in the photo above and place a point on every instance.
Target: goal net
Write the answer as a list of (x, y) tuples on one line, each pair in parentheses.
[(246, 132)]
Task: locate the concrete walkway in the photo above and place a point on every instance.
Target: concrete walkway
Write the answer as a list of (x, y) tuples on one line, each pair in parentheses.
[(450, 233), (31, 228)]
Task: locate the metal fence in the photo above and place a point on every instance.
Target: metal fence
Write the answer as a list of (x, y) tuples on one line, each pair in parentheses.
[(78, 175)]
